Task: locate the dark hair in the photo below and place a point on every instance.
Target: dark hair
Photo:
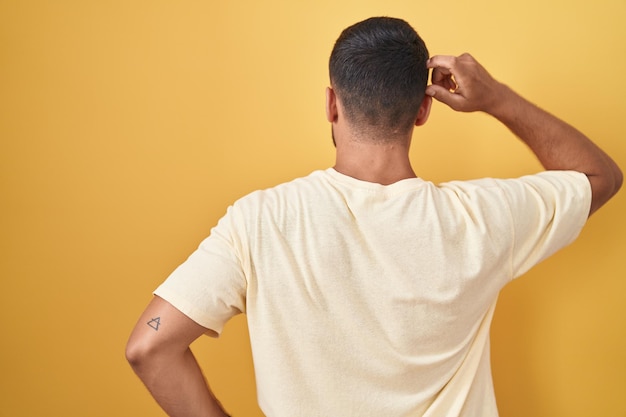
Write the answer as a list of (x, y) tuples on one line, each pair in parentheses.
[(378, 70)]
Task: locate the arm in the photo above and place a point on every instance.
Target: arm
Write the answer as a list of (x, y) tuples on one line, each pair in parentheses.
[(158, 351), (464, 85)]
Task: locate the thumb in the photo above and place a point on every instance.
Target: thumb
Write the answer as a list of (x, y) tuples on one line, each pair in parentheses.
[(445, 96)]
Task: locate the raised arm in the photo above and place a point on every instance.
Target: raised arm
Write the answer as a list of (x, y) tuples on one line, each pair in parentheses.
[(464, 85), (158, 351)]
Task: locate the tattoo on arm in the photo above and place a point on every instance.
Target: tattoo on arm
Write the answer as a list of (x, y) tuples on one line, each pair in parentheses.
[(155, 323)]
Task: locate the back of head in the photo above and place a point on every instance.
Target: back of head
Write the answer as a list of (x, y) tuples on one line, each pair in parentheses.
[(378, 71)]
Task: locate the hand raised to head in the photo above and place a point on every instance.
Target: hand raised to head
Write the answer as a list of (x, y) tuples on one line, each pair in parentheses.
[(463, 84)]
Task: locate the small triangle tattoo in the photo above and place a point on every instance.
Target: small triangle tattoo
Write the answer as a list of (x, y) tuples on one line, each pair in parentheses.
[(155, 323)]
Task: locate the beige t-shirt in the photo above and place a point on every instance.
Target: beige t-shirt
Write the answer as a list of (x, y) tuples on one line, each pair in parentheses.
[(371, 300)]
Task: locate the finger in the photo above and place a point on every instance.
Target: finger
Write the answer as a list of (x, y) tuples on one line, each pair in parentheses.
[(443, 71), (441, 61), (447, 83), (439, 93), (442, 77), (440, 74)]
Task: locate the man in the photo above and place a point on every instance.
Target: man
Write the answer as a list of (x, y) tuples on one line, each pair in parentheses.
[(369, 291)]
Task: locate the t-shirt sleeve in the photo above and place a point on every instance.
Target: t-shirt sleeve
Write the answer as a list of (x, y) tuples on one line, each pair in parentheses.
[(210, 286), (548, 211)]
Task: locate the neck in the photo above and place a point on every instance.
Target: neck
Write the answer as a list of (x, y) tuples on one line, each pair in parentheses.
[(378, 162)]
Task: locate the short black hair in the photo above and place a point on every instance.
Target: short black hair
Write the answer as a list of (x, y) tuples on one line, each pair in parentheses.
[(378, 70)]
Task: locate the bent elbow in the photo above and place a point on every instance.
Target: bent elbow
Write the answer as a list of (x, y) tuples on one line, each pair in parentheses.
[(135, 353), (605, 187), (619, 180), (615, 183), (141, 353)]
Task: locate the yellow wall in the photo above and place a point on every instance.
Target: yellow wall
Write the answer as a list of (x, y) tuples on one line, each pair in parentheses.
[(127, 127)]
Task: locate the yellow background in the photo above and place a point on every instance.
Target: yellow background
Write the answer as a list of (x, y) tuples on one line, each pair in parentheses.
[(127, 127)]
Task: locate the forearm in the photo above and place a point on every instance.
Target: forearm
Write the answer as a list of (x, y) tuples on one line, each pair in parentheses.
[(177, 384), (558, 145), (464, 85)]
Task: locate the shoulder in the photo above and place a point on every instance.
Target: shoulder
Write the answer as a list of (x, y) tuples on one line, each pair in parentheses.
[(278, 200), (545, 183), (525, 199), (297, 186)]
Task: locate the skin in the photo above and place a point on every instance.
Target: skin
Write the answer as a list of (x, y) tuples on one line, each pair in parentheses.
[(158, 350), (464, 85), (164, 362), (373, 159)]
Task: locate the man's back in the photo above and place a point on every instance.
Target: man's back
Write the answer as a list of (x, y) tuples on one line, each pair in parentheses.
[(368, 291), (364, 299)]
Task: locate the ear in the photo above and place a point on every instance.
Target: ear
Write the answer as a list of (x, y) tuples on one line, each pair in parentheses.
[(424, 111), (331, 105)]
